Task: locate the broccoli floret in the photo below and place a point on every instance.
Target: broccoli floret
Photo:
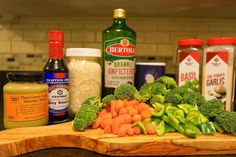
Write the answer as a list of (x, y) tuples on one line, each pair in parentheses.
[(87, 114), (188, 93), (227, 121), (148, 90), (174, 97), (169, 82), (190, 86), (157, 99), (158, 88), (144, 93), (125, 91), (212, 108), (108, 98), (193, 98)]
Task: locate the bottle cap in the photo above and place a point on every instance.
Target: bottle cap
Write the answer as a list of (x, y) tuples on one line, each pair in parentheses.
[(25, 76), (83, 52), (56, 44), (56, 35), (221, 41), (119, 13), (190, 42)]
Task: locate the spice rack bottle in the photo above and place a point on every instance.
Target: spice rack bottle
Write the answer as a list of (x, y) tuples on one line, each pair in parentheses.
[(189, 59), (218, 70)]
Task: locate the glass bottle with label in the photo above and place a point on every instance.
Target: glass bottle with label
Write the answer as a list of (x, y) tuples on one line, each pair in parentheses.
[(218, 73), (119, 42), (189, 60), (56, 76)]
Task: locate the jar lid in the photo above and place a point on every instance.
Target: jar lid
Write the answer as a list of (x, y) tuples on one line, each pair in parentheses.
[(83, 52), (221, 41), (151, 63), (25, 76), (190, 42)]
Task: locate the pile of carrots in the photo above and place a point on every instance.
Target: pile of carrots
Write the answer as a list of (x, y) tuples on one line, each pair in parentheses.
[(119, 115)]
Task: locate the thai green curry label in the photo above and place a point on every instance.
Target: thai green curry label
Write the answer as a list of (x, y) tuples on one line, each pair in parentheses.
[(119, 61)]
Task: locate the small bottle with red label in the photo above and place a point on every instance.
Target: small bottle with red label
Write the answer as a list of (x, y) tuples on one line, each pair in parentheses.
[(56, 75), (218, 70), (189, 60)]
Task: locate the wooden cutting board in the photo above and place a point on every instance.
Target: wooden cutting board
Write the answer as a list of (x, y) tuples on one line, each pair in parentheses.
[(22, 140)]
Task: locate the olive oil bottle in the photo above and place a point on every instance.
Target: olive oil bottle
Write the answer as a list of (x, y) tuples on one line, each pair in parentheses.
[(119, 42)]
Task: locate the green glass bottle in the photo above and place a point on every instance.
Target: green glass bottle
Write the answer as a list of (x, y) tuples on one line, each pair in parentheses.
[(119, 42)]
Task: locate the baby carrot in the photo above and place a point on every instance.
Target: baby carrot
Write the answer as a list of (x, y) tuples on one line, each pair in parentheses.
[(97, 123), (123, 111), (133, 112), (133, 102), (100, 114), (107, 129), (119, 104), (137, 130), (114, 114), (113, 105), (115, 125), (107, 116), (106, 122), (126, 103), (146, 114), (122, 131), (142, 106), (136, 118), (130, 131), (128, 119), (150, 129)]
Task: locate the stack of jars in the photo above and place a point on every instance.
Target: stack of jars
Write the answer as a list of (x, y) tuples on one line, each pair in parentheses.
[(213, 67)]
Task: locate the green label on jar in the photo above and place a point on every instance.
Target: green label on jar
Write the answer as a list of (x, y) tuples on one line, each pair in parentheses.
[(119, 61)]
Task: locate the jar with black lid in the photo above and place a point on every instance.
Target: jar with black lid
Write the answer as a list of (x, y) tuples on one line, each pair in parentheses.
[(25, 100)]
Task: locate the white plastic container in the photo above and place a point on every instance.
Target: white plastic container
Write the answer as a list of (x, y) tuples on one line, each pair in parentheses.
[(189, 59), (85, 75), (218, 70)]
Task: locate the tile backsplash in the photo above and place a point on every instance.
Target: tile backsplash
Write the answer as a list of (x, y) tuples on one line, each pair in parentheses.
[(24, 45), (23, 61)]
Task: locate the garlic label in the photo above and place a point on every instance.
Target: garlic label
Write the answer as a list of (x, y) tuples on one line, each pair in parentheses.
[(216, 76)]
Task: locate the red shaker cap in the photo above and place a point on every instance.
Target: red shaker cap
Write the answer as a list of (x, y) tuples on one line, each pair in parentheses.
[(190, 42), (221, 41), (56, 44), (56, 35)]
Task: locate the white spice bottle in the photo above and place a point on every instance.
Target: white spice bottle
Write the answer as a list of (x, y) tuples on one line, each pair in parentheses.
[(218, 70), (85, 76)]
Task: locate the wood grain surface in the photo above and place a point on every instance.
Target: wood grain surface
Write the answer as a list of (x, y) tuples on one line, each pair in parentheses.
[(23, 140)]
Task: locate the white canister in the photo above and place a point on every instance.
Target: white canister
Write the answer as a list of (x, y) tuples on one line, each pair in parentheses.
[(218, 70), (85, 75)]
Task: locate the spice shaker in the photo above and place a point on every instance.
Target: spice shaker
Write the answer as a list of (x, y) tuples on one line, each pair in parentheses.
[(189, 55), (85, 76), (218, 70)]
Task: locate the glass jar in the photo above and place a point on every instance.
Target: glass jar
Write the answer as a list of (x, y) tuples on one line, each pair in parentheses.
[(189, 60), (85, 76), (25, 100), (218, 70)]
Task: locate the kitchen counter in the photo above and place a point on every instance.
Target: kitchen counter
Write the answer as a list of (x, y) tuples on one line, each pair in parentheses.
[(76, 152)]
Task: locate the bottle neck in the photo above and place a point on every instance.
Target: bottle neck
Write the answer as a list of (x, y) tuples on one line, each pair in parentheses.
[(119, 22), (56, 50)]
